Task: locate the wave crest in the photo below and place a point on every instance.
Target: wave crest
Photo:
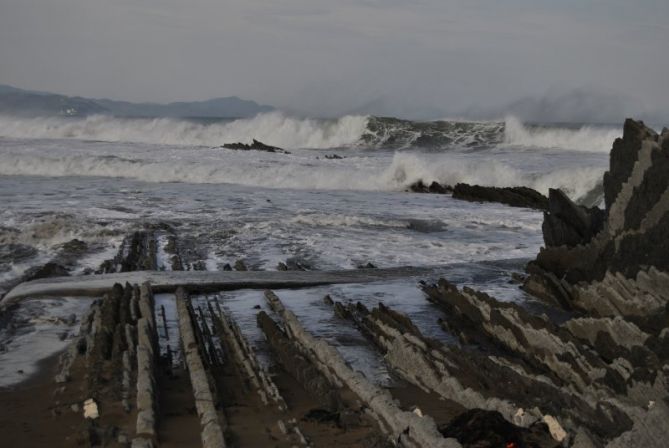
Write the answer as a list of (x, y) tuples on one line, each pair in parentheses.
[(350, 131), (584, 138), (274, 128)]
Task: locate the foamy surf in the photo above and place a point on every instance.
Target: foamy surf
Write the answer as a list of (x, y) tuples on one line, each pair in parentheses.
[(286, 131), (393, 173)]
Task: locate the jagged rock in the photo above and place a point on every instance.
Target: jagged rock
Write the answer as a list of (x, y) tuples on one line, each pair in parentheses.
[(514, 196), (434, 187), (404, 427), (474, 379), (255, 146), (137, 253), (634, 236), (566, 223), (624, 154), (297, 365), (48, 270)]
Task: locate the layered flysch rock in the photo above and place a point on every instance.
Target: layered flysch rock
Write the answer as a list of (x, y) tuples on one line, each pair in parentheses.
[(612, 262), (611, 269), (601, 362)]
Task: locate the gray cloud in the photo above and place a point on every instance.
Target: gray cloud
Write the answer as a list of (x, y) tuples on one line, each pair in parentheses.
[(421, 59)]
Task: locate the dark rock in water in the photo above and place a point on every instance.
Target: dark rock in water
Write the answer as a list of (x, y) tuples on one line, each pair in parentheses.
[(46, 271), (294, 264), (367, 265), (255, 146), (199, 265), (434, 187), (137, 252), (75, 246), (513, 196), (426, 226), (227, 267), (566, 223), (477, 428), (12, 253), (333, 157), (240, 266)]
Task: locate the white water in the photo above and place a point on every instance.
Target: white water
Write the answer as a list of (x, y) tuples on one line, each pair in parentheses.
[(576, 172), (280, 129), (99, 178), (274, 128), (585, 138)]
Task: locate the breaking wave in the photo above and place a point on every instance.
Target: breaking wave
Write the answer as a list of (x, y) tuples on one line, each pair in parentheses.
[(280, 129), (404, 169), (584, 138), (274, 128)]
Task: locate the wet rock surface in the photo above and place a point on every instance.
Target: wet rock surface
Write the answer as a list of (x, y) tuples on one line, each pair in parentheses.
[(566, 223), (434, 187), (254, 146), (633, 237), (587, 368), (514, 196), (48, 270)]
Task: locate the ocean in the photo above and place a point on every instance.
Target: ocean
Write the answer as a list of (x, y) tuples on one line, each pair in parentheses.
[(96, 179)]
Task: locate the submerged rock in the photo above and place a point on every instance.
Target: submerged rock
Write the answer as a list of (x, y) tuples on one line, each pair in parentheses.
[(46, 271), (75, 246)]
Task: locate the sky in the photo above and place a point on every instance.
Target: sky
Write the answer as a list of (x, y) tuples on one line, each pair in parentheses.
[(565, 59)]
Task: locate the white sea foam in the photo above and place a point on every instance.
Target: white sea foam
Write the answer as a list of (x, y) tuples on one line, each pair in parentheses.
[(585, 138), (402, 170), (280, 129), (274, 128), (408, 168)]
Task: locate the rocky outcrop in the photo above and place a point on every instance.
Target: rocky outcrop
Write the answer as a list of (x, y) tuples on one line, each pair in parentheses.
[(523, 197), (402, 427), (630, 237), (212, 433), (255, 146), (50, 269), (603, 378), (610, 270), (514, 196), (566, 223), (137, 253), (434, 187)]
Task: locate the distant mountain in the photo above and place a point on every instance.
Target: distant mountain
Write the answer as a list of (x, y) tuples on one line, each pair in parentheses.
[(19, 102)]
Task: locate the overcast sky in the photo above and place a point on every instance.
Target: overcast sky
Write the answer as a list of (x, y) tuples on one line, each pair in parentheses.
[(411, 58)]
